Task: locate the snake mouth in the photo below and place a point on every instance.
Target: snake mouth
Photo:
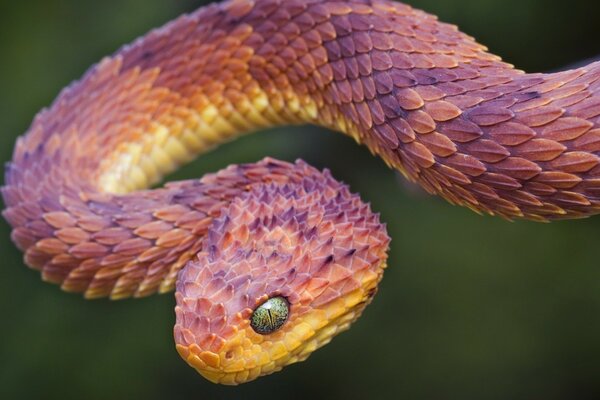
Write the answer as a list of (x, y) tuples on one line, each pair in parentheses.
[(244, 355)]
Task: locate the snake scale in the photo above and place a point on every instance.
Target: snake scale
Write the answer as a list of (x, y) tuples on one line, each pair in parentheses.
[(271, 260)]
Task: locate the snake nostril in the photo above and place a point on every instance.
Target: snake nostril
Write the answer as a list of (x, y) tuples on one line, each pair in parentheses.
[(229, 355)]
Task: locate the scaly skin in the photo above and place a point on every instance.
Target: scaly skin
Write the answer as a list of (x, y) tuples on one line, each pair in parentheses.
[(427, 99)]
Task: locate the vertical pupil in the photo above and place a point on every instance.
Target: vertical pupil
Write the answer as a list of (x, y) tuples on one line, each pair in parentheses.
[(270, 316)]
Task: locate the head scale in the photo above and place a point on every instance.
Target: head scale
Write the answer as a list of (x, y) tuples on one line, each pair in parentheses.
[(311, 246)]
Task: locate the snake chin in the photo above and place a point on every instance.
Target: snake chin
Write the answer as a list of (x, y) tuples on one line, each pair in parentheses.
[(312, 242)]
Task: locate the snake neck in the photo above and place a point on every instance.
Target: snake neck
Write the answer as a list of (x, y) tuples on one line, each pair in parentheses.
[(425, 97)]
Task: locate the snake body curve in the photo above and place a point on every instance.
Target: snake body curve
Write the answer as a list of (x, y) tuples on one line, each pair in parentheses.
[(426, 98)]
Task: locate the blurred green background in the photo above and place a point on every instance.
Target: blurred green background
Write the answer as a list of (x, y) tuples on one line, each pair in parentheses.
[(471, 307)]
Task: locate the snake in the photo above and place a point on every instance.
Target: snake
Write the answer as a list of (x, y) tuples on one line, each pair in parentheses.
[(270, 260)]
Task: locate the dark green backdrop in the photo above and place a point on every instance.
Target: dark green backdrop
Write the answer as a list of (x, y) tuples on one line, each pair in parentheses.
[(471, 307)]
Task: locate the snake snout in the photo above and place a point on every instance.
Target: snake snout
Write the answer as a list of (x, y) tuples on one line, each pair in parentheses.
[(283, 270)]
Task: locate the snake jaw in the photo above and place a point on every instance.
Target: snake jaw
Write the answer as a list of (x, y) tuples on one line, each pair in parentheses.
[(313, 243)]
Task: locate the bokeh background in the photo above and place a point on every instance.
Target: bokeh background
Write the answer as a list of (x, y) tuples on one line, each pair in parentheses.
[(470, 307)]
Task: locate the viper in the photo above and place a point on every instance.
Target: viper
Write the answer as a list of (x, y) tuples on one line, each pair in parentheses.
[(270, 260)]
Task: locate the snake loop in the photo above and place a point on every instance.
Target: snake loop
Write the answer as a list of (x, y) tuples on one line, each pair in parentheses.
[(426, 98)]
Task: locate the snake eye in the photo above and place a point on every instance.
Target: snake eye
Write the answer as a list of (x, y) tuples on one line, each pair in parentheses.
[(270, 315)]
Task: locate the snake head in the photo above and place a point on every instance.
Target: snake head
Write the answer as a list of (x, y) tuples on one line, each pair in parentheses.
[(284, 269)]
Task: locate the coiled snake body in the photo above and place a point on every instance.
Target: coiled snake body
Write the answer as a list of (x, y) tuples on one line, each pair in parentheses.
[(426, 98)]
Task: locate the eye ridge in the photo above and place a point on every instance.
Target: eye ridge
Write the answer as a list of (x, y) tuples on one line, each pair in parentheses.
[(270, 316)]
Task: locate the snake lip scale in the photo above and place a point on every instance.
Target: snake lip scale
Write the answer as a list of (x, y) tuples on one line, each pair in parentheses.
[(270, 260)]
